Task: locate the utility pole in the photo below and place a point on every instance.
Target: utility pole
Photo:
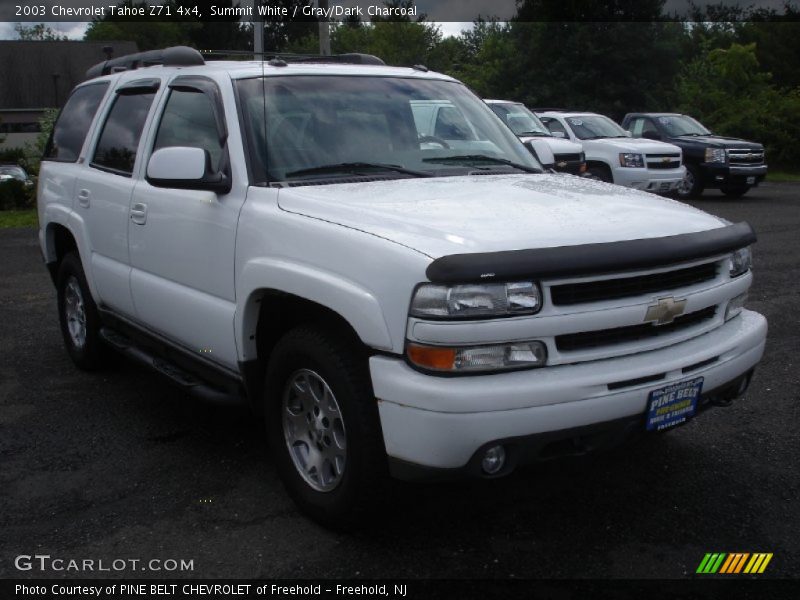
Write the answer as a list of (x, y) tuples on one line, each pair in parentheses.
[(324, 30), (258, 32)]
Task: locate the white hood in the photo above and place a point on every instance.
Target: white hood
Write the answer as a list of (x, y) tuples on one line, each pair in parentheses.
[(487, 213), (626, 144)]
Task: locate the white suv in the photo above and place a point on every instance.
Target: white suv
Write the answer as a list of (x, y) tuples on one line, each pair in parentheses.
[(282, 233), (613, 155), (552, 151)]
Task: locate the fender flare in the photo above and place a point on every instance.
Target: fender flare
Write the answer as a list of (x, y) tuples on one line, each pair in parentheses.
[(353, 302)]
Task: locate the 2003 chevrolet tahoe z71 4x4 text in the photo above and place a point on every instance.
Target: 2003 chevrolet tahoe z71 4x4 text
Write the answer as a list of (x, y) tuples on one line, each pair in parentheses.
[(390, 305)]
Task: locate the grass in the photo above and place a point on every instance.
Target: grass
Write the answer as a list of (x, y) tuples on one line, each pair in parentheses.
[(18, 218), (782, 176)]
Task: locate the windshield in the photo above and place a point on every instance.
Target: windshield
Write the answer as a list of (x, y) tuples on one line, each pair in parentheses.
[(306, 127), (521, 121), (678, 125), (591, 127), (15, 172)]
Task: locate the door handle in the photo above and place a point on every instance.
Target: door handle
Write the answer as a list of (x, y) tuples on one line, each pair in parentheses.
[(139, 213), (83, 198)]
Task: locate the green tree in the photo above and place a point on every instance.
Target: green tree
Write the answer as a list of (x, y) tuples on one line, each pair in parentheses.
[(37, 33), (726, 89), (208, 33)]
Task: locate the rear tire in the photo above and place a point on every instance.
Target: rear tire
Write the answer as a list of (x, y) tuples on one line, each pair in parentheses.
[(79, 317), (323, 426), (692, 184), (734, 191)]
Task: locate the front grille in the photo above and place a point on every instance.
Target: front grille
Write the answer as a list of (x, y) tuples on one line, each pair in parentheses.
[(567, 157), (612, 289), (631, 333), (744, 156), (663, 161)]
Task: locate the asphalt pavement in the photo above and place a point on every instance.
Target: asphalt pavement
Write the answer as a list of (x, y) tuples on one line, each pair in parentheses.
[(121, 465)]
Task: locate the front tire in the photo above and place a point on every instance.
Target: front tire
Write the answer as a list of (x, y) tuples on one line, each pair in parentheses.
[(323, 426), (79, 317), (692, 184), (601, 173)]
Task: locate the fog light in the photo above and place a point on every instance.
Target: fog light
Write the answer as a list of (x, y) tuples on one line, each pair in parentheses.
[(735, 306), (493, 460)]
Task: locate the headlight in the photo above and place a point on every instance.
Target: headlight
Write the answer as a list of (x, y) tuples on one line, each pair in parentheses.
[(741, 261), (627, 159), (476, 300), (470, 359), (716, 155)]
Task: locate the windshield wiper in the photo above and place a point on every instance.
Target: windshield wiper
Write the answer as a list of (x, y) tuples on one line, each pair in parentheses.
[(482, 157), (354, 167), (536, 133)]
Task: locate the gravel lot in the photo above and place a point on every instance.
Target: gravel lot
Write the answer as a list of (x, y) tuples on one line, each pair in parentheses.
[(122, 465)]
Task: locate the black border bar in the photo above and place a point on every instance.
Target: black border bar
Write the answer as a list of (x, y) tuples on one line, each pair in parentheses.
[(589, 259)]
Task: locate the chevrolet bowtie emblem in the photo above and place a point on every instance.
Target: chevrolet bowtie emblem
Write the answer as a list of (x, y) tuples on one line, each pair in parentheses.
[(666, 159), (664, 311), (562, 164)]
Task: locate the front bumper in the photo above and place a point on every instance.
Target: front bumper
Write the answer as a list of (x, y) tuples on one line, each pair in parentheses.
[(660, 181), (442, 422), (715, 174)]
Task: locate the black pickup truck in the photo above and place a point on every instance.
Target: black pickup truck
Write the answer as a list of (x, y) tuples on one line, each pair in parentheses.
[(712, 161)]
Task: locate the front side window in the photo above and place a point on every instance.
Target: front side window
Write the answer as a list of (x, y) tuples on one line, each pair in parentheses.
[(188, 120), (301, 127), (119, 140), (73, 123), (592, 127)]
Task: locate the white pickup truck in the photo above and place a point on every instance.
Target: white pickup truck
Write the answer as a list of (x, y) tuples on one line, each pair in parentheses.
[(612, 155), (282, 233)]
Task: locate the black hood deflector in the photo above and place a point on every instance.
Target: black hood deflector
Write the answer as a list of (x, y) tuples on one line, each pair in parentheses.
[(589, 259)]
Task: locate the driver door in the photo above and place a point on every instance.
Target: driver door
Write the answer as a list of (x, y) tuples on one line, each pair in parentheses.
[(182, 241)]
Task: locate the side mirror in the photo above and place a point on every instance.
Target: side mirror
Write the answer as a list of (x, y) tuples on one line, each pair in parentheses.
[(185, 168), (559, 134), (651, 135)]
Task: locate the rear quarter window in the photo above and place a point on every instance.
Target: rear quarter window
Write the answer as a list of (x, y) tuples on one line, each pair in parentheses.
[(73, 123)]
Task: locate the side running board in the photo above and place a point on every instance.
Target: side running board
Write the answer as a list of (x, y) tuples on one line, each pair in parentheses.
[(188, 382)]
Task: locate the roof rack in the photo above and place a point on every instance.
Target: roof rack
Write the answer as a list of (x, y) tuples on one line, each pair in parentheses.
[(177, 56), (279, 59)]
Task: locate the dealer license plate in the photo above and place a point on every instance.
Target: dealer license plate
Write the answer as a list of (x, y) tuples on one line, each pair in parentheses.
[(673, 404), (751, 180)]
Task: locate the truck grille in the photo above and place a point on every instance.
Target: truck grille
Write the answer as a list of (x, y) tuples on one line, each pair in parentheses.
[(573, 163), (619, 335), (744, 156), (663, 161), (611, 289)]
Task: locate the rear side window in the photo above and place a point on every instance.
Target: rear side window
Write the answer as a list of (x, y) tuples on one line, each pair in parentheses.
[(73, 123), (188, 120), (119, 140)]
